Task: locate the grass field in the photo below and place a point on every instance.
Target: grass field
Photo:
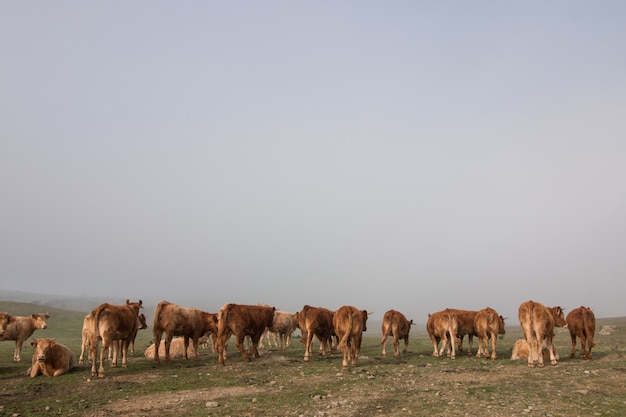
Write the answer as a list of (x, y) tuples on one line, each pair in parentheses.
[(282, 384)]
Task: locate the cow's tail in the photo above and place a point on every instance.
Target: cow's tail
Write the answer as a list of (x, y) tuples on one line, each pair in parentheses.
[(386, 328), (222, 319), (158, 313), (344, 339), (586, 323)]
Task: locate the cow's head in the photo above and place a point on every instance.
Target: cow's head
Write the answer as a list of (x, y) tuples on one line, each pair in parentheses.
[(559, 317), (136, 305), (365, 315), (501, 325), (42, 347), (40, 320), (142, 322)]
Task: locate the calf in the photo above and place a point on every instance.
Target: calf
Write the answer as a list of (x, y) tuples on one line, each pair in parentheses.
[(395, 324), (488, 325), (22, 328), (284, 324), (538, 322), (242, 320), (349, 324), (174, 320), (581, 323), (50, 358)]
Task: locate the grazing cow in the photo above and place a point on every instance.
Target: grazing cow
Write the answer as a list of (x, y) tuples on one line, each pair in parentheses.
[(174, 320), (284, 325), (488, 325), (50, 358), (22, 328), (242, 320), (538, 322), (112, 323), (5, 320), (316, 321), (395, 324), (465, 322), (520, 351), (443, 326), (581, 323), (349, 324)]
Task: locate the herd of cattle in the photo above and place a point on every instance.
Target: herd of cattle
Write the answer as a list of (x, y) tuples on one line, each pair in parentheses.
[(114, 328)]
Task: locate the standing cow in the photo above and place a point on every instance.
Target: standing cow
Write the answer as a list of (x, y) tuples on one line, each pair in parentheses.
[(488, 325), (110, 324), (443, 326), (284, 325), (538, 322), (581, 323), (174, 320), (50, 358), (21, 328), (349, 324), (242, 320), (5, 320), (395, 324), (316, 321)]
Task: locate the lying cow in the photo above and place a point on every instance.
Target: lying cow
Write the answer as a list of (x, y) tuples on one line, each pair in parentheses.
[(50, 358), (520, 351), (177, 349), (21, 328), (395, 324)]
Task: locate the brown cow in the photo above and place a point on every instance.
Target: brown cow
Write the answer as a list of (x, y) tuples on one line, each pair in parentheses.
[(22, 328), (349, 324), (538, 322), (581, 323), (520, 351), (88, 329), (465, 322), (50, 358), (316, 321), (174, 320), (488, 325), (443, 326), (112, 323), (395, 324), (242, 320)]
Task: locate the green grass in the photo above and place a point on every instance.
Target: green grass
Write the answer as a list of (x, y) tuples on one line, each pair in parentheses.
[(282, 384)]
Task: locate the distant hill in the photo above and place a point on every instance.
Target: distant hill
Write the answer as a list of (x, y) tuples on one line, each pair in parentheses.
[(63, 302)]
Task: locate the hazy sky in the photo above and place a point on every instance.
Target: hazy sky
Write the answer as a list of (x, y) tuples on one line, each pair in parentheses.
[(409, 155)]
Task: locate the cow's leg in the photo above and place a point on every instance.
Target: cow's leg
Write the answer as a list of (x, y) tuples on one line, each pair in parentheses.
[(93, 353), (583, 345), (396, 346), (406, 344), (18, 349), (103, 350), (168, 344), (239, 343), (185, 347), (115, 346), (254, 351), (590, 344), (494, 336), (433, 339), (384, 343), (470, 342), (194, 342), (124, 347), (307, 346), (573, 339), (157, 342)]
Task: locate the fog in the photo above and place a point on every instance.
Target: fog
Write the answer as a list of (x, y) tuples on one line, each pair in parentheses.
[(401, 155)]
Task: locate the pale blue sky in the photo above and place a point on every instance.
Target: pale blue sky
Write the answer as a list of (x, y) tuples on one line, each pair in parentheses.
[(408, 155)]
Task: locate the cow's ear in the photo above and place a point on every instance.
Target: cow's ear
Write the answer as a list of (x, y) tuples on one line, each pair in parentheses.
[(47, 316), (52, 342), (140, 303), (127, 301), (33, 343), (34, 315)]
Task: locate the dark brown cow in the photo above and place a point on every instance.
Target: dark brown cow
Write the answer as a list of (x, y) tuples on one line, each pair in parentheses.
[(316, 321), (538, 322), (174, 320), (112, 323), (581, 323), (242, 320), (465, 322), (488, 325), (443, 326), (395, 324), (50, 358), (349, 324), (21, 328)]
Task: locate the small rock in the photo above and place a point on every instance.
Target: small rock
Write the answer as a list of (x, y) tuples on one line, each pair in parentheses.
[(211, 404)]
